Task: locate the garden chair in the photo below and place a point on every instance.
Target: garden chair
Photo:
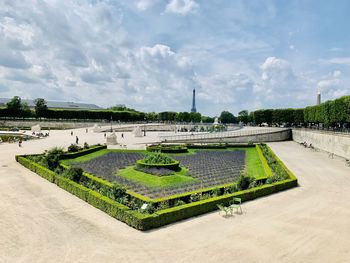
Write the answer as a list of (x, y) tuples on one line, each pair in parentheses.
[(236, 204), (224, 209)]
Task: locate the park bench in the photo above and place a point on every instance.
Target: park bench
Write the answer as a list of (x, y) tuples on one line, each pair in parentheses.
[(236, 204)]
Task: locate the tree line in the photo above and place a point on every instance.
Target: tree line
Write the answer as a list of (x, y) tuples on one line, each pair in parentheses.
[(16, 108), (330, 113)]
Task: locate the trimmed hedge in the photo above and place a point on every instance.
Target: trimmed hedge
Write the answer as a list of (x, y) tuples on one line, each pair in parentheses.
[(163, 217), (266, 166), (36, 168), (330, 112), (167, 148), (172, 166), (83, 152), (171, 215)]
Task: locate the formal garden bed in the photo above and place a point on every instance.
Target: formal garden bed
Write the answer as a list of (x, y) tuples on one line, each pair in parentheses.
[(112, 181)]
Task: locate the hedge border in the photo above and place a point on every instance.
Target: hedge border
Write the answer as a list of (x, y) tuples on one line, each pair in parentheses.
[(167, 148), (172, 166), (263, 160), (163, 217), (83, 152)]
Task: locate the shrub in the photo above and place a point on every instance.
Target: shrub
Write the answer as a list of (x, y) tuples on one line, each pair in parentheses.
[(276, 178), (195, 197), (116, 191), (163, 205), (73, 173), (53, 157), (86, 145), (179, 202), (158, 158), (215, 192), (149, 209), (279, 172), (244, 182), (167, 148), (73, 148)]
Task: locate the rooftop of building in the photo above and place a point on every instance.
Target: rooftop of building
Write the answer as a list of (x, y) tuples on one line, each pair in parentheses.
[(57, 104)]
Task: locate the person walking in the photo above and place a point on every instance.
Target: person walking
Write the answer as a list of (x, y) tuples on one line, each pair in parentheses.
[(71, 133), (122, 135), (76, 140), (20, 142)]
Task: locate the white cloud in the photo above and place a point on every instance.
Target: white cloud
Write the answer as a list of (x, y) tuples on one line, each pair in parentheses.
[(277, 73), (337, 73), (340, 60), (182, 7), (144, 4)]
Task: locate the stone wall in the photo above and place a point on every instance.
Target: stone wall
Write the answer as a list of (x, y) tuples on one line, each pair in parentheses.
[(336, 143), (276, 136), (46, 124)]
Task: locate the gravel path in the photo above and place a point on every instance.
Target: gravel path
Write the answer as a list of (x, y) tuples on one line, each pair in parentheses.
[(40, 222)]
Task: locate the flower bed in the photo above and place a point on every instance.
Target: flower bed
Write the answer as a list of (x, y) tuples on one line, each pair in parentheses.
[(126, 207)]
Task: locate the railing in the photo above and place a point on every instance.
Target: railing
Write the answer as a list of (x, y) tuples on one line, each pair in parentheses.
[(218, 135)]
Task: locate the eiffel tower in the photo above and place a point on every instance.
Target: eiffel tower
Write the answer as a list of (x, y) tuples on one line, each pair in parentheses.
[(194, 101)]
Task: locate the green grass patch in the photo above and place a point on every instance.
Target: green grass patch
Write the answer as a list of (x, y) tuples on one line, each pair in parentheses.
[(254, 166), (150, 180)]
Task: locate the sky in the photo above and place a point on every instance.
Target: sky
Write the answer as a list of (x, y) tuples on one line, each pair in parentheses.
[(150, 54)]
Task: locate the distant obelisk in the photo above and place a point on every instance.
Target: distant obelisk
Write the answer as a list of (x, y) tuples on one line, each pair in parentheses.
[(318, 97), (194, 101)]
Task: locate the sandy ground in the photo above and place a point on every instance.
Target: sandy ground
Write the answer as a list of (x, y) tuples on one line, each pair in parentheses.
[(40, 222)]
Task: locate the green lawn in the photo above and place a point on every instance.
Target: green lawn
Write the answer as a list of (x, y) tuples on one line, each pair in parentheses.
[(253, 163), (156, 181)]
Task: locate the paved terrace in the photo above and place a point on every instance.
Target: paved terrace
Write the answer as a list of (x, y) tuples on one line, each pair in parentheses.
[(40, 222)]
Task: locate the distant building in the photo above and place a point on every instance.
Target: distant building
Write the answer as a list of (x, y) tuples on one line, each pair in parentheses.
[(57, 104), (318, 98), (193, 109)]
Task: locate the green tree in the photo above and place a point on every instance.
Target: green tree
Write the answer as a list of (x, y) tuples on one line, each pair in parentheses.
[(195, 116), (243, 116), (206, 119), (227, 117), (261, 116), (14, 106), (151, 116), (40, 107)]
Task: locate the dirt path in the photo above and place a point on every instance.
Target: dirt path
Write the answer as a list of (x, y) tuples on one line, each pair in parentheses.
[(40, 222)]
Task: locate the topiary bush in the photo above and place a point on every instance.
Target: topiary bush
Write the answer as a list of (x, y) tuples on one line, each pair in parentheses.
[(158, 160), (73, 148)]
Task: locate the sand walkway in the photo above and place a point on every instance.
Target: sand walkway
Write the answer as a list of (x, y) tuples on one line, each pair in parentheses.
[(40, 222)]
